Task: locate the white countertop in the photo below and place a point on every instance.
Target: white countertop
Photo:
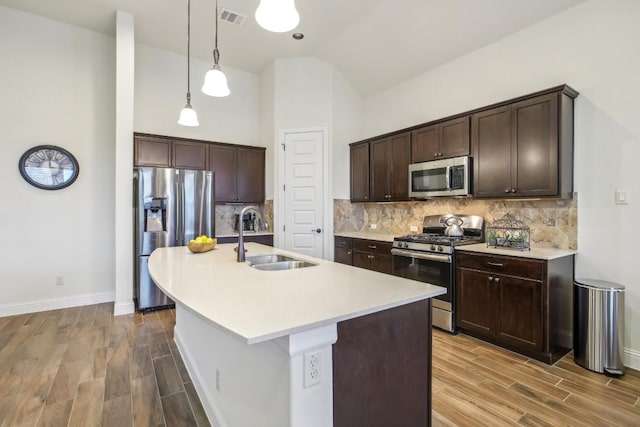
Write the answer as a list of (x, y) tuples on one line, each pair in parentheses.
[(262, 305), (381, 237), (535, 253), (246, 234)]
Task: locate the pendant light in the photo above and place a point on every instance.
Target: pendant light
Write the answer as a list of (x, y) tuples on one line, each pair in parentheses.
[(188, 116), (278, 16), (215, 82)]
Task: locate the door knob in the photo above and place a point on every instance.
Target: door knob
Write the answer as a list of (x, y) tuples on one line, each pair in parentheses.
[(317, 230)]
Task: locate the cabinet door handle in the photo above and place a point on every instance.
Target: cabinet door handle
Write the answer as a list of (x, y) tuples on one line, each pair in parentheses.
[(372, 247), (490, 279), (513, 190), (506, 190), (497, 279), (349, 252), (495, 264)]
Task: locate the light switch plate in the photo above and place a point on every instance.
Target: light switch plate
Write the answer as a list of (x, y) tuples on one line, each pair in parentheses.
[(622, 198)]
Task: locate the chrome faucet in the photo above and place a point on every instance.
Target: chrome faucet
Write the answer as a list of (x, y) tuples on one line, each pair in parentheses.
[(240, 247)]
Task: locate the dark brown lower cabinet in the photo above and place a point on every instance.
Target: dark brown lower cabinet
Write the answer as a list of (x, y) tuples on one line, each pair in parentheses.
[(265, 239), (521, 304), (382, 369), (372, 255), (343, 250)]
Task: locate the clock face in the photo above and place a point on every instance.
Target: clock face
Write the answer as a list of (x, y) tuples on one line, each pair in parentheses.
[(49, 167)]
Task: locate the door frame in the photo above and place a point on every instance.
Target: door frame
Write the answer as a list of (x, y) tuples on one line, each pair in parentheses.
[(327, 201)]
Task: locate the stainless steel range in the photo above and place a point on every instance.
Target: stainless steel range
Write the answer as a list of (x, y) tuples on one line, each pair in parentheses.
[(429, 257)]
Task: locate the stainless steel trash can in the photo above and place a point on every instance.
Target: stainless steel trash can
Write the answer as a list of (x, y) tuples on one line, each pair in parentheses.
[(598, 322)]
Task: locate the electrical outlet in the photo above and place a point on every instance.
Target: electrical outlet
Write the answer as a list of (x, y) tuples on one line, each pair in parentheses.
[(312, 368), (374, 226), (218, 379), (413, 228), (59, 280), (551, 222)]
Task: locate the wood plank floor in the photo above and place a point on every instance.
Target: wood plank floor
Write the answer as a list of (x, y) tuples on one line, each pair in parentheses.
[(475, 384), (83, 367)]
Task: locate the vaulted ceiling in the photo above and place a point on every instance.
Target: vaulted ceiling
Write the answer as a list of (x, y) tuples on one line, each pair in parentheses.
[(374, 43)]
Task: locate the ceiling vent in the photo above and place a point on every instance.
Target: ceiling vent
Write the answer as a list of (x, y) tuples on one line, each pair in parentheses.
[(234, 18)]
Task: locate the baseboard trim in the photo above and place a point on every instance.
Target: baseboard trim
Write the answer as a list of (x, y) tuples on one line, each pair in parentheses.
[(213, 414), (55, 303), (632, 359), (124, 308)]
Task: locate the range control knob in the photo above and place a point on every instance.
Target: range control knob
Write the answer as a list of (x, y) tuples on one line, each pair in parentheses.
[(433, 247), (404, 245), (440, 249)]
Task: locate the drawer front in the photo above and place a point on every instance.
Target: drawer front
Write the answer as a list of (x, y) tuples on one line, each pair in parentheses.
[(512, 266), (343, 242), (372, 246)]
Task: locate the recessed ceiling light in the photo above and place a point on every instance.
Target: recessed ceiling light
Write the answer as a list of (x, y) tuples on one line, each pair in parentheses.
[(298, 36)]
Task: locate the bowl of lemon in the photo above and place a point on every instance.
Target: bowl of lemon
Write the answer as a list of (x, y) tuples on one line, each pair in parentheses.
[(201, 244)]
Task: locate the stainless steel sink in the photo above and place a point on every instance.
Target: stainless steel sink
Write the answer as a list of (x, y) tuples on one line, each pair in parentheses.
[(268, 259), (282, 265), (275, 262)]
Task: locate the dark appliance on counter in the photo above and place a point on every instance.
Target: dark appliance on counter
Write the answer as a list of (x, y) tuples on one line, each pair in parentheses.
[(171, 207), (446, 177), (248, 222), (430, 257)]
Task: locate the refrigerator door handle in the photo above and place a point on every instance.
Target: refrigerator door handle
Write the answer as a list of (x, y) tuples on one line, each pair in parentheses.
[(179, 213)]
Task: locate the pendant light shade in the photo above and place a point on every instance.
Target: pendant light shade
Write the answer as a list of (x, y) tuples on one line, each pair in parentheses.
[(215, 82), (278, 16), (188, 116)]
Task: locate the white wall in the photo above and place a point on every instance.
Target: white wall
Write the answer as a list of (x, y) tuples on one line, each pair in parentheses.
[(160, 94), (125, 76), (310, 93), (58, 87), (267, 124), (348, 109), (593, 47)]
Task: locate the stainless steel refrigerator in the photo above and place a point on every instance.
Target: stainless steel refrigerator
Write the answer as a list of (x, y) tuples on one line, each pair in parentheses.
[(171, 207)]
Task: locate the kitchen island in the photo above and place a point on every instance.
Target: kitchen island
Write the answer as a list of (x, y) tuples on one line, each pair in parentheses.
[(318, 346)]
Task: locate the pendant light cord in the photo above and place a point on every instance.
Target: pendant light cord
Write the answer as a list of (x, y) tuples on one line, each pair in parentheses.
[(216, 53), (189, 52)]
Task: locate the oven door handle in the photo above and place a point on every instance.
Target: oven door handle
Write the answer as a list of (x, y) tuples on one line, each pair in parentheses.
[(420, 255)]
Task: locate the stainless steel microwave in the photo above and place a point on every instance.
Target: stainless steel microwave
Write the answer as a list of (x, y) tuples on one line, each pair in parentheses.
[(437, 178)]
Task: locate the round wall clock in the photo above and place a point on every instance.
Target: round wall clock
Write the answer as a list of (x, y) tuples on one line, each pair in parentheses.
[(49, 167)]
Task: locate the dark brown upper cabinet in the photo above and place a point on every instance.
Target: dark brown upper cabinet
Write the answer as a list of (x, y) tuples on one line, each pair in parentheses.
[(152, 151), (389, 164), (359, 168), (189, 155), (239, 173), (169, 152), (524, 149), (440, 140), (239, 169), (380, 168)]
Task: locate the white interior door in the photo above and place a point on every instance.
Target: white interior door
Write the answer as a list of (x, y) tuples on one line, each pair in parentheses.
[(303, 192)]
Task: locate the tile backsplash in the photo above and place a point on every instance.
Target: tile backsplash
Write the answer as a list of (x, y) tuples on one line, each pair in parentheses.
[(553, 223), (225, 217)]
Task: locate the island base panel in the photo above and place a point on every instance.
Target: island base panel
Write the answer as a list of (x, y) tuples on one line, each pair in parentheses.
[(382, 369)]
